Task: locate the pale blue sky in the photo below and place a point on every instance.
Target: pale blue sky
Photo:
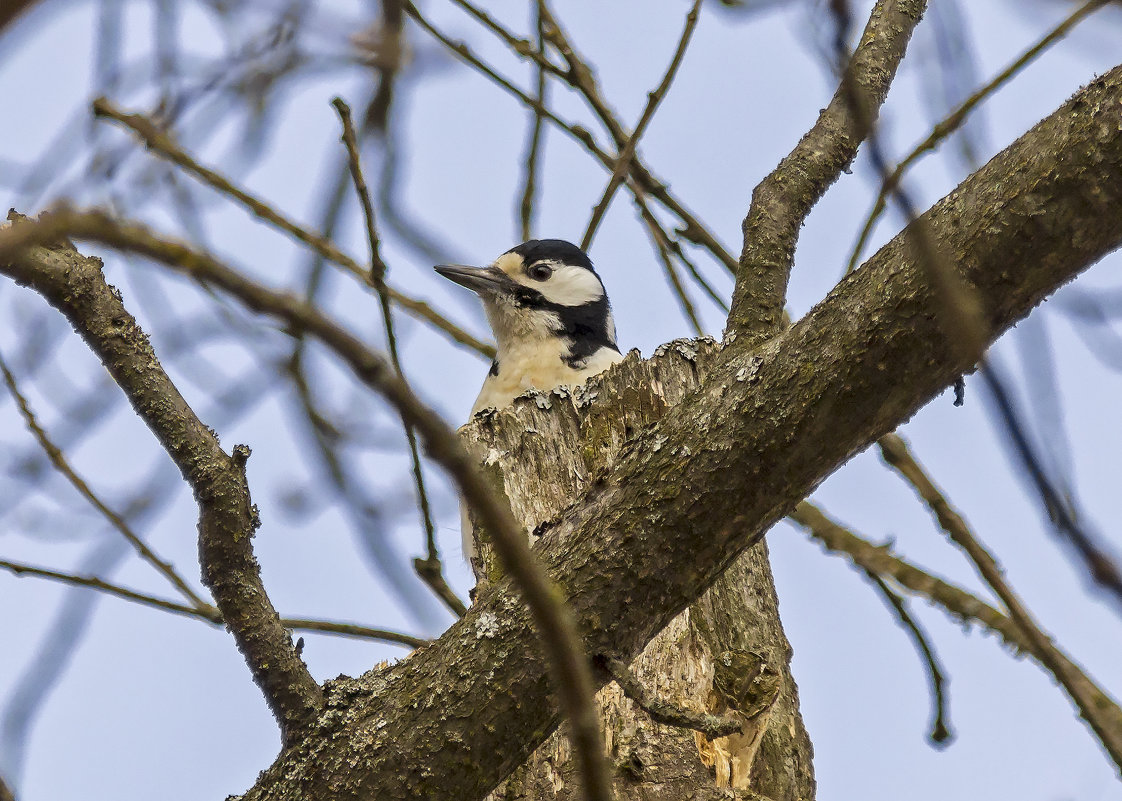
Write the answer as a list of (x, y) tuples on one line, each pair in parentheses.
[(156, 706)]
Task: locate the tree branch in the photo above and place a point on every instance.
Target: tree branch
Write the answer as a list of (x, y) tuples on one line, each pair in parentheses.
[(75, 286), (940, 734), (781, 203), (712, 726), (62, 465), (559, 636), (957, 118), (10, 12), (430, 568), (627, 152)]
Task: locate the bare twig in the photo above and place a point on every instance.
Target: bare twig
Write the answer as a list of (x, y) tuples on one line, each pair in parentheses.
[(654, 98), (941, 734), (557, 632), (582, 78), (360, 508), (526, 206), (663, 248), (1061, 512), (430, 568), (62, 465), (660, 711), (1106, 721), (781, 203), (958, 117), (159, 141), (516, 43), (956, 602), (209, 613)]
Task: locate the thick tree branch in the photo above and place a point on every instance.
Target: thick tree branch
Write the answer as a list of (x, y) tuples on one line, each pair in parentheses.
[(75, 286), (781, 203), (766, 427)]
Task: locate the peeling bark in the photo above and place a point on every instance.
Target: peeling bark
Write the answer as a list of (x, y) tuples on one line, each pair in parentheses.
[(545, 451)]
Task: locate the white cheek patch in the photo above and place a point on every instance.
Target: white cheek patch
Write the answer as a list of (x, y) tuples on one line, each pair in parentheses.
[(569, 286)]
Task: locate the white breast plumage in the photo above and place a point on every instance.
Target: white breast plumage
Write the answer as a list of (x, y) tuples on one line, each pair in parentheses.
[(542, 368)]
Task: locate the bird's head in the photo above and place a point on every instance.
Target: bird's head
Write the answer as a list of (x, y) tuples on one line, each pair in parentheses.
[(540, 290)]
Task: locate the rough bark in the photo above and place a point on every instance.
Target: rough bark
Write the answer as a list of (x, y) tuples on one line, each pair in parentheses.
[(782, 201), (692, 491), (727, 651)]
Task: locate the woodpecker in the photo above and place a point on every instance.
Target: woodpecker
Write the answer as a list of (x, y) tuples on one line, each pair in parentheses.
[(552, 323), (550, 316)]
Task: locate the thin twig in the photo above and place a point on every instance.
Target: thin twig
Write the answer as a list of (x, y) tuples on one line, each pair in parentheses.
[(527, 206), (941, 734), (429, 569), (159, 141), (660, 711), (516, 43), (209, 613), (582, 78), (1099, 564), (58, 459), (359, 506), (658, 234), (1106, 721), (663, 248), (955, 120), (954, 601), (654, 98)]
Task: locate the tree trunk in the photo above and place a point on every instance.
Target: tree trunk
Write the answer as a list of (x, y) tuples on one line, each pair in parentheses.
[(725, 653)]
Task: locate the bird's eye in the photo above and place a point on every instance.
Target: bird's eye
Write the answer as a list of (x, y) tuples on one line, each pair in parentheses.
[(540, 272)]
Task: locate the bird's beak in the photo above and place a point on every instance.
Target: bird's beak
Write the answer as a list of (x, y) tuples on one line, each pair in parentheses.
[(484, 280)]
